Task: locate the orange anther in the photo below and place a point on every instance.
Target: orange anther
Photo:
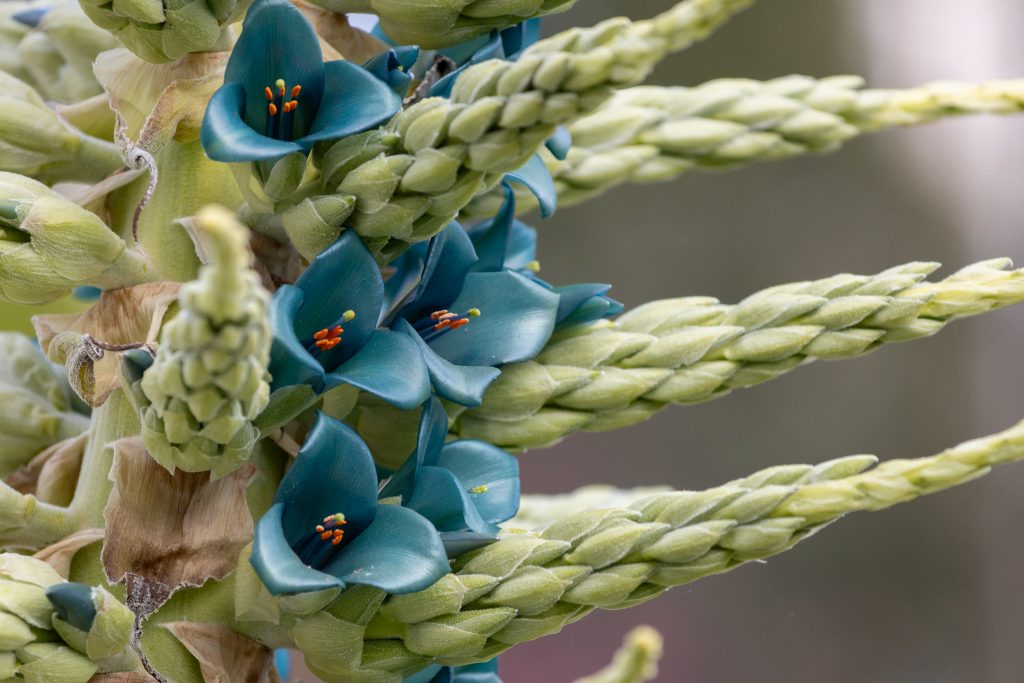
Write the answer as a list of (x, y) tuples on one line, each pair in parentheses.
[(317, 337), (325, 535), (269, 93), (437, 314), (272, 109), (443, 324), (296, 90), (459, 323), (320, 528)]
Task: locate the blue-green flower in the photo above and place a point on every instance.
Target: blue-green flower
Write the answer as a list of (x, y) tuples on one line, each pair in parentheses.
[(466, 324), (280, 97), (465, 488), (504, 243), (394, 67), (325, 330), (326, 529), (485, 672), (505, 44)]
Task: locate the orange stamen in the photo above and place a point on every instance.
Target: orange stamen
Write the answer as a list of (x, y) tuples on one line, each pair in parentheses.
[(295, 91), (437, 314), (269, 93), (320, 335), (325, 535), (272, 109), (443, 324), (459, 323)]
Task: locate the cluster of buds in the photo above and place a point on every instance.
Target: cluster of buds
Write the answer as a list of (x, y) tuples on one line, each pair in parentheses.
[(50, 245), (52, 630), (197, 398)]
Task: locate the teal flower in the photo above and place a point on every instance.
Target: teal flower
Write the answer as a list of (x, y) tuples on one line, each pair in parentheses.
[(326, 529), (394, 67), (325, 330), (506, 244), (466, 324), (279, 96), (485, 672), (465, 487)]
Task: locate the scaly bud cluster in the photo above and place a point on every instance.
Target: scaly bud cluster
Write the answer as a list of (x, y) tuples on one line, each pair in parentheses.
[(162, 30), (612, 374), (209, 379)]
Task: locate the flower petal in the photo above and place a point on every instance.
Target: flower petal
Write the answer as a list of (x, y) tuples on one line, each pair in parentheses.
[(278, 566), (390, 366), (430, 436), (226, 136), (440, 497), (354, 100), (277, 42), (333, 472), (463, 384), (535, 177), (343, 277), (399, 553), (290, 362), (491, 239), (559, 143), (394, 67), (516, 320), (488, 469), (584, 303), (459, 542), (450, 257)]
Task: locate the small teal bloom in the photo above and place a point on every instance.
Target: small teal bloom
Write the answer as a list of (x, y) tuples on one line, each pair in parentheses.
[(485, 672), (394, 67), (73, 603), (325, 330), (466, 324), (325, 528), (506, 244), (279, 96), (465, 487)]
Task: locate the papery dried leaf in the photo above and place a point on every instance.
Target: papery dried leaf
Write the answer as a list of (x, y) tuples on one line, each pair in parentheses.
[(333, 28), (276, 263), (225, 656), (135, 86), (175, 530), (60, 554), (51, 476), (132, 315)]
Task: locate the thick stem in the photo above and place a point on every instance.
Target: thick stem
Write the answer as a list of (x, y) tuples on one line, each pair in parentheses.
[(115, 419)]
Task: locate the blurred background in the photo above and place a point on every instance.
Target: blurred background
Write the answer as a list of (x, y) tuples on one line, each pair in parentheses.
[(929, 591)]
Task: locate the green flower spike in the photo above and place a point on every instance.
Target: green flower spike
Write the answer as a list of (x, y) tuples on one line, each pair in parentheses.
[(198, 397), (49, 245)]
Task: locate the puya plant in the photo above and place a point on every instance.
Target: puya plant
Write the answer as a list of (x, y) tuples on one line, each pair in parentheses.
[(311, 337)]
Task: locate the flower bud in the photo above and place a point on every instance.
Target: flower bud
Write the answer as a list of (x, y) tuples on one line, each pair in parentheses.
[(30, 650), (37, 143), (49, 245), (58, 53), (37, 406), (197, 398), (162, 31), (90, 619)]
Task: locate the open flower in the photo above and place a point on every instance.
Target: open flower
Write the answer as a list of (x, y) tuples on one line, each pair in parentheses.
[(467, 324), (504, 243), (465, 487), (325, 330), (279, 96), (325, 528)]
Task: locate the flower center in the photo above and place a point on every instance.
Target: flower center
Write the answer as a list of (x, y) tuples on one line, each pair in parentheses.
[(439, 322), (330, 530), (317, 548), (280, 114), (326, 339)]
